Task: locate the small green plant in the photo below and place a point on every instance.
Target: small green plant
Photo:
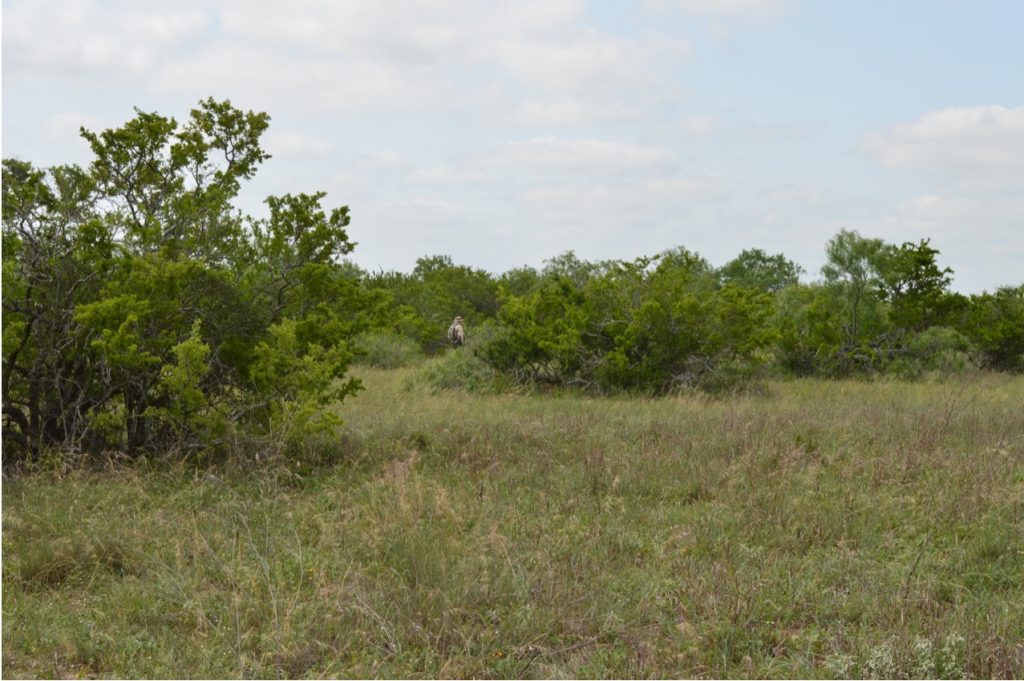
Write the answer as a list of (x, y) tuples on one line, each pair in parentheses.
[(459, 369), (880, 662), (387, 350)]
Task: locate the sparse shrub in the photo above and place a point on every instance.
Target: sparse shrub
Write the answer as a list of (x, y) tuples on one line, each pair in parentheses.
[(387, 350)]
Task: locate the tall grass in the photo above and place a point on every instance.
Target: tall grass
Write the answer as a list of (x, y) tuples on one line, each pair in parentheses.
[(820, 529)]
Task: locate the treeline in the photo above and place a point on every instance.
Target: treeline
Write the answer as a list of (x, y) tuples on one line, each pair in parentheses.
[(143, 313), (673, 321)]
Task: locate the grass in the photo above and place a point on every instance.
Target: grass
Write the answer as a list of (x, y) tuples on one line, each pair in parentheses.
[(823, 529)]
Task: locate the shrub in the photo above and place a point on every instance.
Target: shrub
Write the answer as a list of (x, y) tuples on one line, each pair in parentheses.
[(630, 327), (142, 312), (459, 369), (387, 350), (995, 323), (939, 350)]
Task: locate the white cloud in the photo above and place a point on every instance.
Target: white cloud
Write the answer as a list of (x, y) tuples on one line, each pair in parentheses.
[(758, 9), (534, 62), (88, 39), (975, 149), (581, 61), (972, 162), (401, 30), (420, 212), (569, 112), (586, 158), (66, 127), (296, 144)]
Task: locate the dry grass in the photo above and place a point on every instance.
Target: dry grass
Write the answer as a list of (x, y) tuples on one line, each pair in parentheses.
[(824, 529)]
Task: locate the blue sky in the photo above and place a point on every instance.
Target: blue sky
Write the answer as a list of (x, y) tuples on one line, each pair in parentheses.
[(506, 133)]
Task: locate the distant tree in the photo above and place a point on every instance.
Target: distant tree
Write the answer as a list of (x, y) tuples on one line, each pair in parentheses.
[(853, 265), (753, 268), (436, 291), (910, 280), (652, 324), (995, 324), (810, 320), (520, 281), (570, 266)]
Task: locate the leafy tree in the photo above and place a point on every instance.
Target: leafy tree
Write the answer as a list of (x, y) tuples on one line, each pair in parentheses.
[(425, 301), (653, 325), (520, 281), (569, 265), (142, 311), (995, 324), (753, 268), (910, 280), (853, 266), (810, 321)]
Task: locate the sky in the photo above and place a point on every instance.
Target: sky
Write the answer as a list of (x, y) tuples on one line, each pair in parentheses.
[(505, 133)]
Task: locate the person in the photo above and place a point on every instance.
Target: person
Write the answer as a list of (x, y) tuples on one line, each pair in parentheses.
[(456, 333)]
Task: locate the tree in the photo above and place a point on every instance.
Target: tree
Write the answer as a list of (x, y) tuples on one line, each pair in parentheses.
[(520, 280), (653, 325), (910, 280), (853, 266), (995, 323), (434, 293), (753, 268), (143, 311)]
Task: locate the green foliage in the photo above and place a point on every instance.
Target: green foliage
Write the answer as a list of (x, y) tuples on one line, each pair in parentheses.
[(853, 267), (520, 281), (912, 283), (387, 350), (938, 350), (995, 324), (185, 409), (753, 268), (143, 312), (652, 325), (459, 369), (426, 301), (810, 321)]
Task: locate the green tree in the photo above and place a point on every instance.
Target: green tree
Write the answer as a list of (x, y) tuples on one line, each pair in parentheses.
[(753, 268), (910, 280), (142, 310), (995, 324), (652, 325), (853, 266), (426, 300)]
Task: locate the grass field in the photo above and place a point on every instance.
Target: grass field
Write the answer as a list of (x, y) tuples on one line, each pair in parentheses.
[(822, 529)]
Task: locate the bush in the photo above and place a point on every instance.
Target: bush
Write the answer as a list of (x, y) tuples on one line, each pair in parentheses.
[(459, 369), (144, 313), (636, 328), (939, 350), (387, 350), (995, 323)]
